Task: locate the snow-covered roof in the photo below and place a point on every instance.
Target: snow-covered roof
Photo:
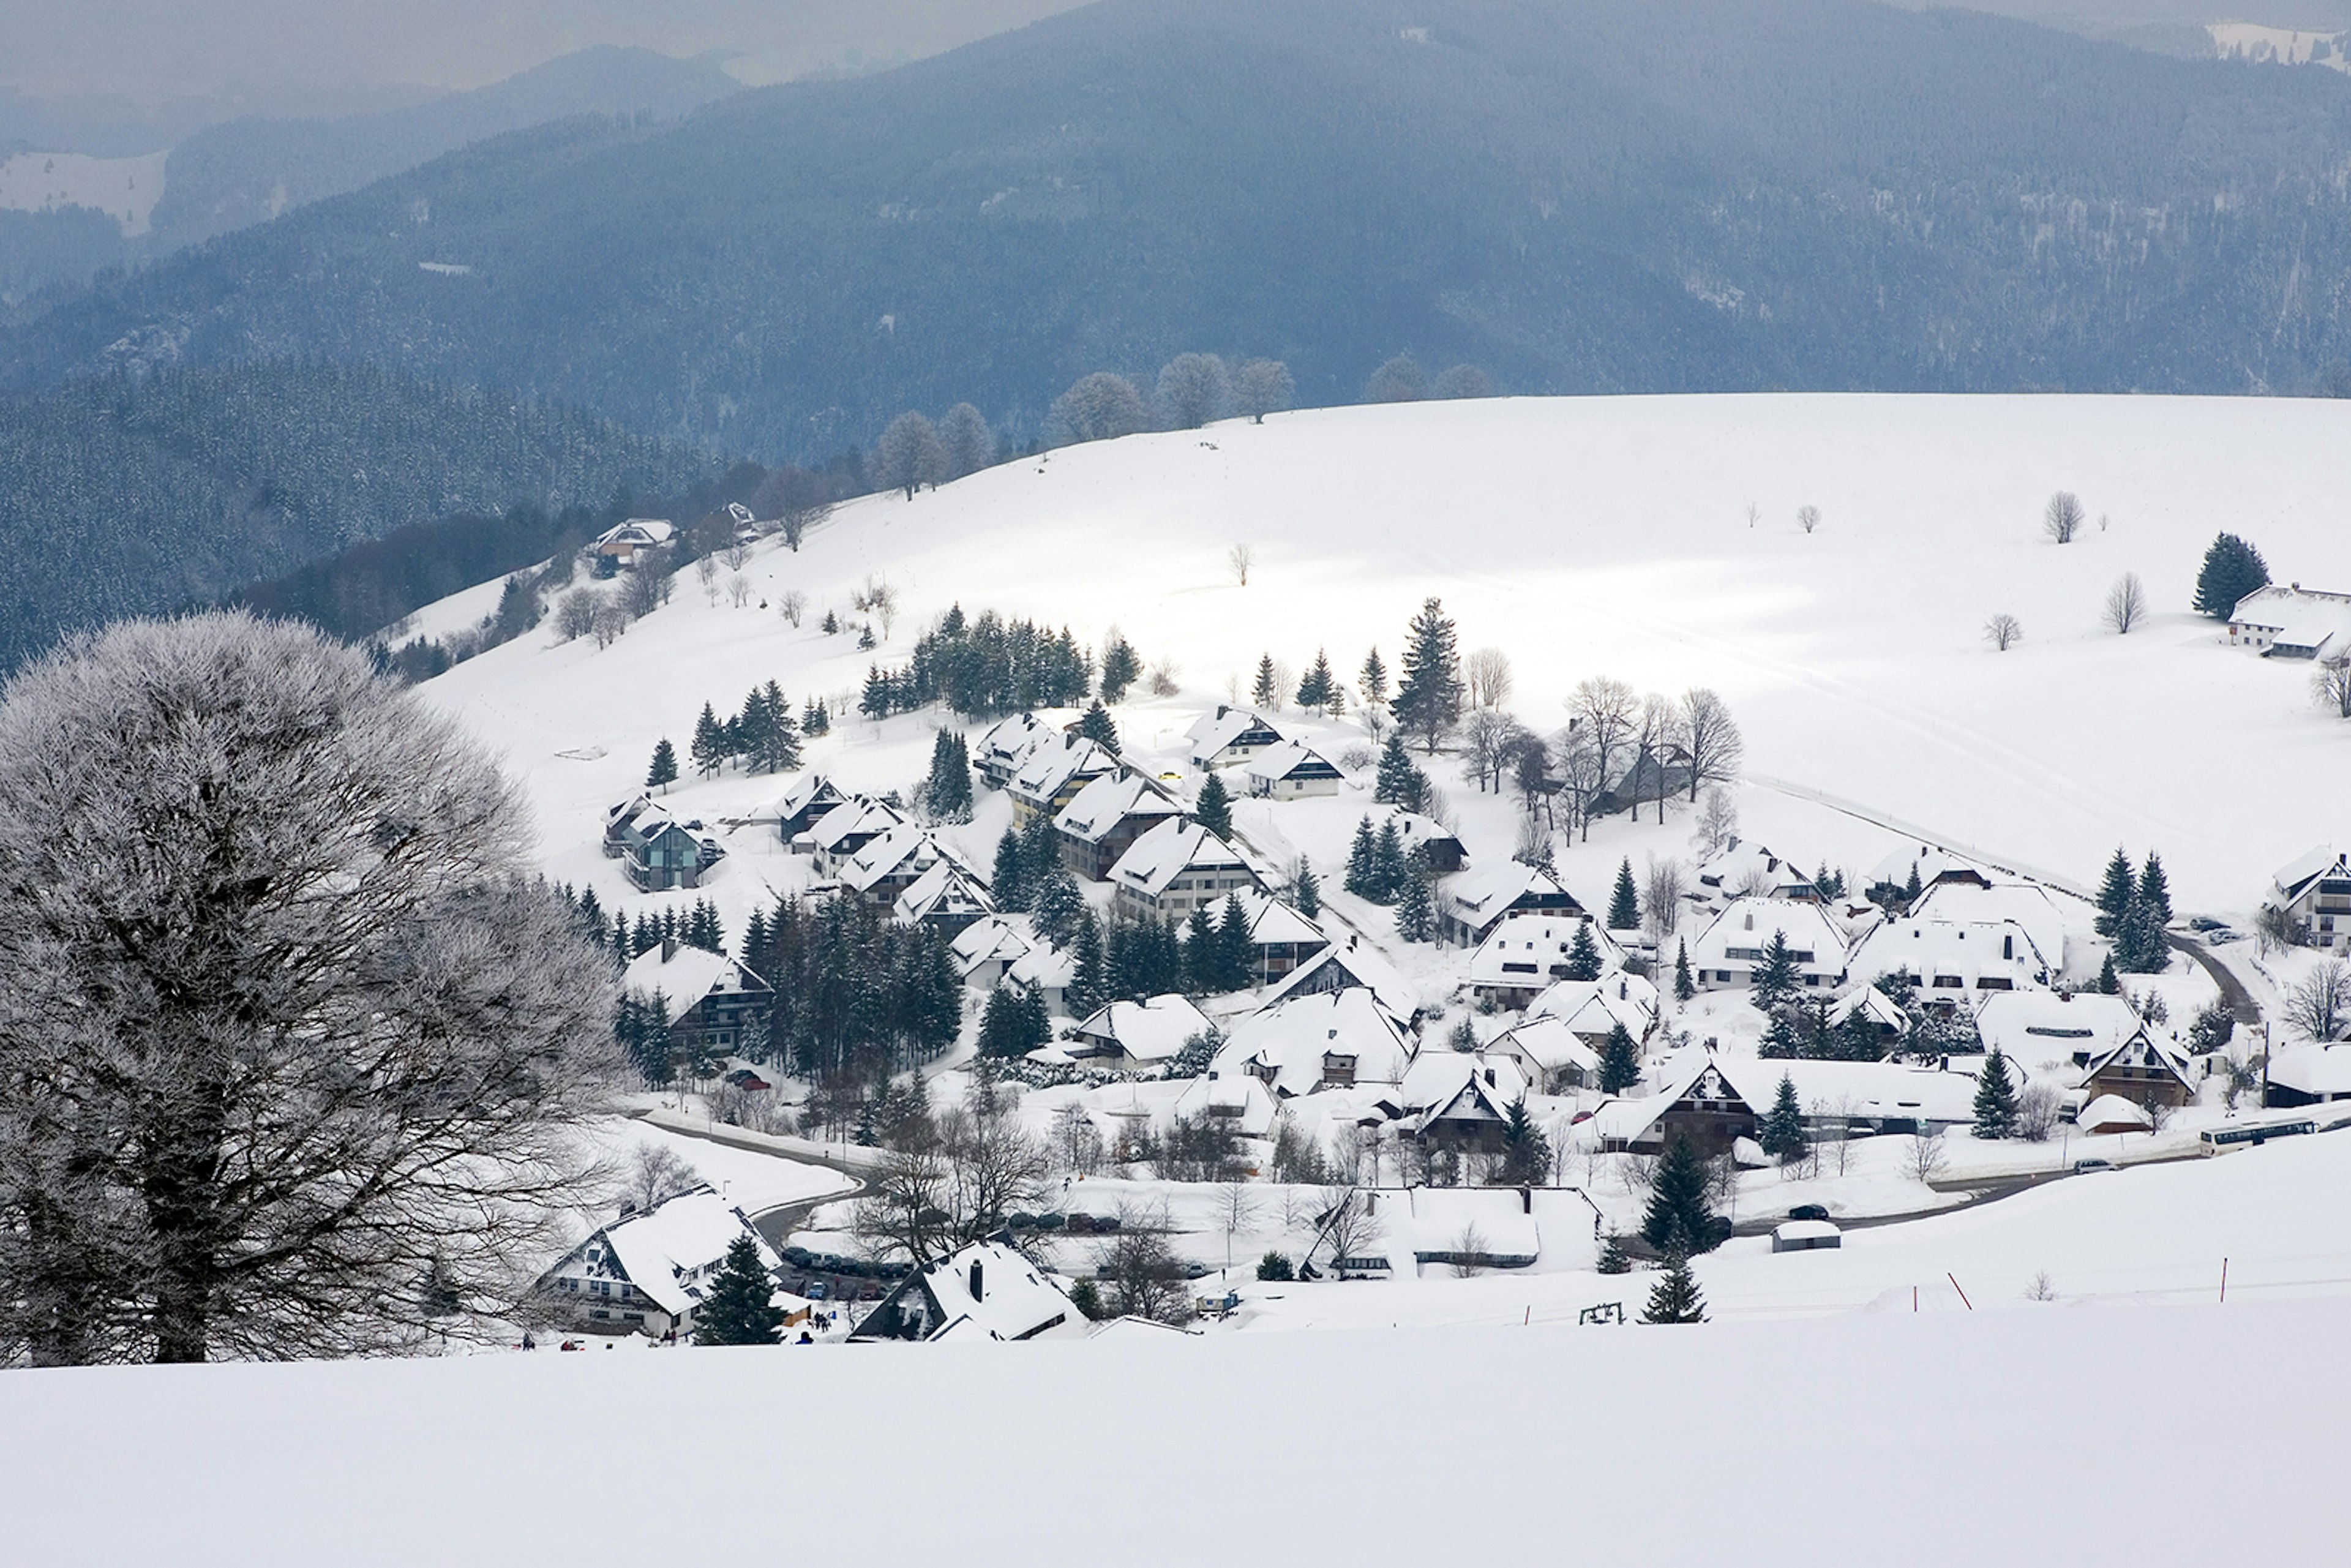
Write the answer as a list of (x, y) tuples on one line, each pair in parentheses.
[(2320, 1071), (1015, 1300), (666, 1252), (1875, 1090), (2144, 1051), (1460, 1084), (1747, 924), (2035, 1026), (991, 939), (1289, 1040), (1928, 861), (947, 889), (2293, 878), (1879, 1009), (686, 976), (1213, 731), (1972, 951), (2023, 904), (2111, 1114), (1428, 1222), (1743, 867), (1109, 799), (2298, 617), (1272, 922), (1053, 763), (1150, 1031), (639, 531), (1238, 1102), (1594, 1007), (1479, 894), (1290, 759), (803, 792), (1547, 1045), (889, 852), (1045, 966), (1167, 851), (1413, 830), (1354, 964), (859, 814), (1008, 741), (1531, 950)]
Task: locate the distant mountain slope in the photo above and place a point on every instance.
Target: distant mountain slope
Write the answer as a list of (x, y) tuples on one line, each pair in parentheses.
[(120, 497), (248, 171), (1667, 194)]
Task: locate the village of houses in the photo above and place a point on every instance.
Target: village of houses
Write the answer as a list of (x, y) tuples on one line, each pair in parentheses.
[(1406, 1067)]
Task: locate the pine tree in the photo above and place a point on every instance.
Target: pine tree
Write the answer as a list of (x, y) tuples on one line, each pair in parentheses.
[(664, 765), (1089, 986), (755, 938), (866, 1137), (1995, 1099), (1214, 808), (1428, 697), (1779, 1042), (704, 929), (1782, 1132), (1584, 959), (740, 1308), (1776, 978), (1389, 868), (1910, 889), (1060, 906), (2232, 569), (2140, 947), (949, 791), (708, 748), (1679, 1218), (1200, 956), (2155, 889), (1416, 910), (777, 748), (1526, 1153), (2115, 894), (1122, 666), (1306, 892), (1098, 726), (1675, 1298), (1372, 679), (1008, 1027), (1008, 882), (2109, 983), (1613, 1259), (1316, 687), (815, 720), (1362, 864), (1236, 949), (1087, 1298), (1266, 693), (1625, 903), (1684, 986), (1620, 1061), (1400, 782)]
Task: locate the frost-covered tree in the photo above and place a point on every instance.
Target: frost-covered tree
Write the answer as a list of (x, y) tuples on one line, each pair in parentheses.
[(947, 792), (1781, 1133), (297, 1054), (1098, 407), (1194, 390), (1400, 379), (910, 455), (2318, 1006), (1122, 666), (2060, 519), (1261, 387), (2232, 569), (970, 445)]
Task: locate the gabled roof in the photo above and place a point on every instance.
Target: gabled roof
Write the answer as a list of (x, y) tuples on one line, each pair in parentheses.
[(807, 790), (1044, 967), (1548, 1044), (1460, 1084), (1476, 895), (1875, 1090), (1272, 922), (1531, 950), (639, 531), (2320, 1071), (687, 1235), (947, 889), (687, 976), (1750, 922), (1015, 1301), (2035, 1026), (2142, 1050), (1875, 1006), (991, 939), (1166, 851), (1053, 763), (2293, 878), (1969, 949), (1593, 1006), (1290, 759), (859, 814), (1212, 732), (1108, 801), (1291, 1037), (1413, 830), (1152, 1030), (1239, 1102), (902, 846), (2025, 904), (1741, 865), (1347, 965), (1928, 861)]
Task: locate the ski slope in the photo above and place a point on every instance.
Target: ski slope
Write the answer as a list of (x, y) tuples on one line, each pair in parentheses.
[(1598, 536)]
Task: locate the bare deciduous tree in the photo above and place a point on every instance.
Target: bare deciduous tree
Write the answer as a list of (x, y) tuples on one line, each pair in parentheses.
[(877, 598), (1712, 739), (575, 615), (1808, 517), (2331, 685), (655, 1174), (1925, 1158), (1351, 1225), (1659, 736), (738, 590), (2036, 1111), (1163, 678), (792, 605), (2126, 603), (1663, 889), (1606, 710), (2004, 631), (1489, 738), (1238, 559), (1717, 823), (296, 1059), (2319, 1007), (1261, 387), (1144, 1277), (706, 572), (970, 444), (1487, 674), (607, 621), (910, 455), (1194, 389), (938, 1192), (2060, 519), (1468, 1252)]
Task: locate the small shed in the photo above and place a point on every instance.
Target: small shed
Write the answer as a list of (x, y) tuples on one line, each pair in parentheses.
[(1806, 1235)]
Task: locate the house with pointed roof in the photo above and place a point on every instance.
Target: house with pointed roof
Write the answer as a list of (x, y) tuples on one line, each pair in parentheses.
[(808, 800), (1596, 1008), (1889, 879), (717, 1005), (1854, 1098), (1348, 966), (1175, 868), (1725, 955), (2293, 623), (1242, 1106), (2313, 891), (1527, 954), (2041, 1028), (1133, 1036), (950, 896), (1747, 870), (2142, 1070), (661, 853), (650, 1272), (1228, 735), (1330, 1040), (844, 832), (1439, 847), (987, 1291), (2023, 905), (1550, 1054), (1006, 745), (1459, 1099), (1050, 775), (985, 949), (2309, 1075), (1103, 821), (1469, 905), (1953, 962), (1280, 938), (620, 546), (1291, 770), (889, 863), (1697, 1102)]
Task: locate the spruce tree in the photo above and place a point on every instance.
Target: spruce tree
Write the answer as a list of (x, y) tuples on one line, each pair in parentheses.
[(1625, 902), (1675, 1298), (948, 792), (866, 1137), (1388, 868), (1679, 1218), (2109, 983), (1584, 959), (2115, 894), (1098, 726), (1122, 666), (1995, 1099), (1214, 808), (664, 765), (1620, 1061), (1416, 910), (1362, 864), (1008, 1028), (708, 748), (1613, 1260), (1306, 893), (1910, 889), (1316, 687), (1089, 986), (1266, 693), (1372, 679), (1684, 986), (1236, 949), (1060, 907), (1782, 1132), (1200, 955), (1780, 1043), (740, 1308), (1008, 886), (1777, 980), (1400, 782), (2232, 569), (1428, 697), (2155, 889), (2140, 945), (1526, 1153)]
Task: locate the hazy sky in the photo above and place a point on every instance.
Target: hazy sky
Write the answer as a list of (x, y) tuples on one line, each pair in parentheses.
[(161, 48)]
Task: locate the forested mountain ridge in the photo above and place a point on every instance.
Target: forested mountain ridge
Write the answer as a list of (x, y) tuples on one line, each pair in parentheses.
[(1684, 195), (121, 495)]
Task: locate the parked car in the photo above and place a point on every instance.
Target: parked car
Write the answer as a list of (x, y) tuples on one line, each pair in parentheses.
[(1809, 1211)]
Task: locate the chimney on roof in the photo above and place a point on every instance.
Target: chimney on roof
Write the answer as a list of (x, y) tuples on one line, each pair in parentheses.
[(669, 949), (975, 1280)]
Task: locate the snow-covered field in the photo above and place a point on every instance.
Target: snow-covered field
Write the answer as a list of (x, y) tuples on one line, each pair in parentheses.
[(1599, 536), (124, 189)]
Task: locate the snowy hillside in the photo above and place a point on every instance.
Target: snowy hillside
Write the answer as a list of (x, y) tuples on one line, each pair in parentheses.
[(124, 189), (2283, 45), (1594, 537)]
